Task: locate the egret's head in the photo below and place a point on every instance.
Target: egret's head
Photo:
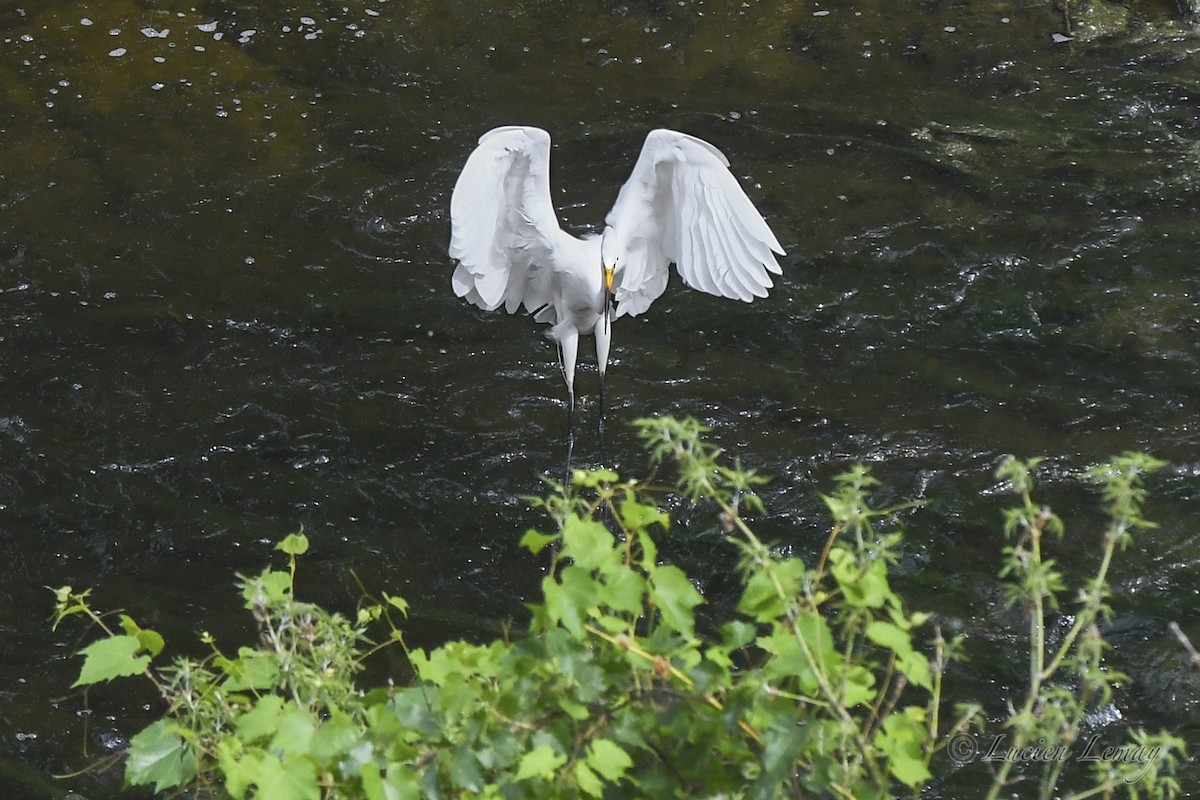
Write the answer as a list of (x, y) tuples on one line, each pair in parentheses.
[(610, 255), (610, 260)]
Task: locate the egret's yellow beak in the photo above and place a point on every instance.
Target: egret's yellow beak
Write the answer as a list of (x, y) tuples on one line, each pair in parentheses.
[(608, 281)]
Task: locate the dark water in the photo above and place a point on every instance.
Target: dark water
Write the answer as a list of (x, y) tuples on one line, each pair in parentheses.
[(225, 308)]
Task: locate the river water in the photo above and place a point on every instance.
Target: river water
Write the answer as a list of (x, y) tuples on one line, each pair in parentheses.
[(225, 309)]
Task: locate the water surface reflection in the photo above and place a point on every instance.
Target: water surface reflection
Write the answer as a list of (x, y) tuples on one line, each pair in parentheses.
[(227, 311)]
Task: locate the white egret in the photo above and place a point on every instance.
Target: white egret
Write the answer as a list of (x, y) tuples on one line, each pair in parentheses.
[(681, 205)]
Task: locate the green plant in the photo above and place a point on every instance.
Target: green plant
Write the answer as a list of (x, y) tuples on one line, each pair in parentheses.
[(1069, 679), (819, 682), (272, 716)]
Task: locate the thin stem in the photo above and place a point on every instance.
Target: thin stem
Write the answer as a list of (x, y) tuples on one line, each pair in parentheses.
[(1037, 620), (1091, 607)]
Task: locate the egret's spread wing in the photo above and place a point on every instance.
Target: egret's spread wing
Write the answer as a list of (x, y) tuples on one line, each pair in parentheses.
[(503, 225), (681, 205)]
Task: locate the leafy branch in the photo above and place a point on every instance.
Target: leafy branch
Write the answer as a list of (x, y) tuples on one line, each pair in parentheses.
[(819, 680)]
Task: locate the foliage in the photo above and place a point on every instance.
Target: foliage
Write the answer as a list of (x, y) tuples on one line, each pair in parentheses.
[(820, 682), (1052, 712)]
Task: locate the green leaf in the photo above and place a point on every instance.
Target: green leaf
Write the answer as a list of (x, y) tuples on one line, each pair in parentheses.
[(571, 599), (294, 733), (914, 665), (675, 597), (114, 657), (760, 599), (150, 641), (372, 781), (814, 630), (782, 742), (638, 516), (863, 587), (587, 779), (275, 780), (607, 758), (805, 654), (401, 783), (67, 603), (411, 712), (535, 542), (464, 769), (540, 762), (771, 589), (902, 739), (574, 710), (917, 619), (626, 591), (62, 595), (736, 634), (645, 543), (252, 669), (858, 688), (159, 755), (589, 544), (592, 478), (335, 738), (237, 765), (295, 780), (294, 544), (262, 721), (885, 634), (398, 603), (270, 587)]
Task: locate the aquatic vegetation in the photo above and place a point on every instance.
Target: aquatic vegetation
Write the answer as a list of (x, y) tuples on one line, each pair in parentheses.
[(819, 680)]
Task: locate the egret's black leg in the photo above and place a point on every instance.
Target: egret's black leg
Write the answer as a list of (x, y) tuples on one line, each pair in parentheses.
[(570, 435), (606, 516), (568, 344), (600, 424), (603, 335)]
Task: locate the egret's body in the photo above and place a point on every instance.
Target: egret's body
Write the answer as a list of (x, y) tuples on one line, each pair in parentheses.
[(681, 205)]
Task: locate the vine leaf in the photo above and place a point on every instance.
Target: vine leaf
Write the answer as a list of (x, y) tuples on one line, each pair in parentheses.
[(114, 657), (160, 756)]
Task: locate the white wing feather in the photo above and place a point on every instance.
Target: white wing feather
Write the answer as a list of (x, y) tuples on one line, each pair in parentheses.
[(503, 225), (681, 205)]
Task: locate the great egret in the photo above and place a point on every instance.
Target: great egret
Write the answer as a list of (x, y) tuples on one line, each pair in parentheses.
[(681, 205)]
